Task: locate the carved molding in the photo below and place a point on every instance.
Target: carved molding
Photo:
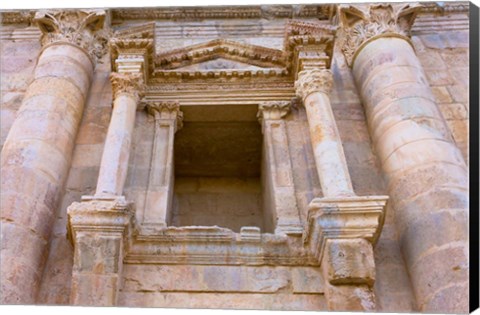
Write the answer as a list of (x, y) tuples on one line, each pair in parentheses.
[(343, 218), (82, 28), (308, 43), (314, 80), (133, 49), (363, 23), (127, 83), (112, 215), (221, 48), (273, 110), (322, 12), (166, 110)]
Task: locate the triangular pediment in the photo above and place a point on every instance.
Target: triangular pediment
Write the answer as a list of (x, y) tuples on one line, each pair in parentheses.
[(212, 53)]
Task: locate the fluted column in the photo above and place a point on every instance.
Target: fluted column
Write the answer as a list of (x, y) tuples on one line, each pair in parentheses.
[(168, 119), (36, 156), (127, 88), (427, 176), (277, 176), (342, 227)]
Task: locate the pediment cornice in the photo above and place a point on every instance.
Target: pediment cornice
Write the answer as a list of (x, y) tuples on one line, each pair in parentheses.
[(221, 48), (318, 11)]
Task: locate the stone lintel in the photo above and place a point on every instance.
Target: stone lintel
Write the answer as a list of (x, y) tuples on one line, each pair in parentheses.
[(343, 218)]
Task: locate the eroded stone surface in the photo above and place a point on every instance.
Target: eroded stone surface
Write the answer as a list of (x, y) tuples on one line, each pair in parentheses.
[(258, 277)]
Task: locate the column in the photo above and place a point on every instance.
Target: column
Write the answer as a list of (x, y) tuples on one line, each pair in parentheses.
[(101, 225), (37, 153), (279, 193), (313, 86), (127, 88), (427, 176), (342, 228), (168, 119)]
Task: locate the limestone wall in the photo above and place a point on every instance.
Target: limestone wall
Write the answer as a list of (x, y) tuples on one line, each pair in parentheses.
[(444, 56)]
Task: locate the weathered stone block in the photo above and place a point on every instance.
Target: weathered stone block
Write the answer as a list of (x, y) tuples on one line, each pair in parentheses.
[(349, 262)]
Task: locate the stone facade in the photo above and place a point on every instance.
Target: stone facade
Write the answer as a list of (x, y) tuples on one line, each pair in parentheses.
[(304, 157)]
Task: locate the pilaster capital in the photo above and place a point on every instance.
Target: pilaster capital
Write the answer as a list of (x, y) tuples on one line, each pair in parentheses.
[(273, 110), (127, 83), (363, 23), (166, 110), (81, 28), (313, 80)]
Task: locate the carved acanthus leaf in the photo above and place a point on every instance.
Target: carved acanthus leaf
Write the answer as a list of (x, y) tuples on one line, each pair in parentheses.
[(83, 28), (273, 110), (127, 83), (166, 110), (363, 22), (313, 80)]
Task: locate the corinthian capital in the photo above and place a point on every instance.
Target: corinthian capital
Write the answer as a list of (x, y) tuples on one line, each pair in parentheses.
[(77, 27), (127, 83), (169, 110), (314, 80), (273, 109), (363, 23)]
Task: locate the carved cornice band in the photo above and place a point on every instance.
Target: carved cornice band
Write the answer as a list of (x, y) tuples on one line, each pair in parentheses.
[(313, 80), (82, 28), (273, 110), (363, 23), (127, 83)]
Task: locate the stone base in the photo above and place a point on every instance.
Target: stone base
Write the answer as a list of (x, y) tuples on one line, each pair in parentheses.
[(99, 230), (340, 234)]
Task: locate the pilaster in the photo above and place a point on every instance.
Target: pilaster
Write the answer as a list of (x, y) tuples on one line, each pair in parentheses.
[(168, 119), (277, 176)]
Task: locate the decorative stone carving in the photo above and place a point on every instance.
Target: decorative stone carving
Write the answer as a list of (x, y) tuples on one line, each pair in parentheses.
[(322, 12), (314, 80), (77, 27), (252, 54), (341, 218), (166, 110), (127, 83), (308, 44), (273, 109), (362, 23)]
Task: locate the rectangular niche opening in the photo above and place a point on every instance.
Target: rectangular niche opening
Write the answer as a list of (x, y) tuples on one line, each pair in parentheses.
[(218, 163)]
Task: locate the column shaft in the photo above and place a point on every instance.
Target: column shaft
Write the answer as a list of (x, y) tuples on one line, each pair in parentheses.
[(114, 165), (427, 176), (34, 164), (327, 146)]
